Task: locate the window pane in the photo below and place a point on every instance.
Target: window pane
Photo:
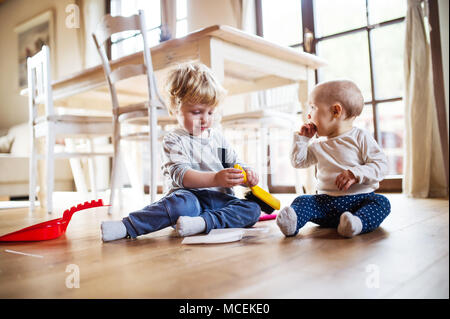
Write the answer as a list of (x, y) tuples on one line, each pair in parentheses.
[(126, 8), (365, 120), (181, 28), (123, 35), (280, 144), (299, 48), (333, 16), (282, 24), (115, 7), (384, 10), (391, 123), (347, 57), (153, 37), (152, 12), (181, 9), (133, 44), (387, 52), (126, 47)]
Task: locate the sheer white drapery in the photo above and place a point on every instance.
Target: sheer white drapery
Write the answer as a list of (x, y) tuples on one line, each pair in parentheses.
[(424, 173)]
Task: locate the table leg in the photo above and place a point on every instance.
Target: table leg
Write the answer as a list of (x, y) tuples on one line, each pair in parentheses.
[(305, 178)]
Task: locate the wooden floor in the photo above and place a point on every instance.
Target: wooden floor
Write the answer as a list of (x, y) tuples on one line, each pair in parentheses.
[(405, 258)]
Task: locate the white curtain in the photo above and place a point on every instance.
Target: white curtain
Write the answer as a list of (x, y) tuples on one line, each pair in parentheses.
[(169, 17), (244, 15), (424, 173), (91, 12)]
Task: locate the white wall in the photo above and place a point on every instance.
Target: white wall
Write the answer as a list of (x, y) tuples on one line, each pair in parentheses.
[(13, 107), (205, 13)]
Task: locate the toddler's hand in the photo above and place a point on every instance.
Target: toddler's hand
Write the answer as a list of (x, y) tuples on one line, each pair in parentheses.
[(252, 178), (345, 180), (229, 177), (308, 130)]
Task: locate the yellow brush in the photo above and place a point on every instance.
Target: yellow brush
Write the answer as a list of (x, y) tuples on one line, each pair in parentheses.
[(261, 193)]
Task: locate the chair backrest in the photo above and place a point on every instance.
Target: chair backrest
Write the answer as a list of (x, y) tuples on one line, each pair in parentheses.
[(39, 83), (282, 99), (110, 25)]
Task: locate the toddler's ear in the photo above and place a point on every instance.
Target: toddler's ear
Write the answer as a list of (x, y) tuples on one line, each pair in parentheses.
[(337, 110)]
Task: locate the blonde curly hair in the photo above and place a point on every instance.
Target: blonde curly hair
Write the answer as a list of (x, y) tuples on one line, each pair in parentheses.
[(193, 83)]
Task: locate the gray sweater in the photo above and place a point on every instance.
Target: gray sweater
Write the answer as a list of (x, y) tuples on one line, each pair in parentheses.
[(209, 152)]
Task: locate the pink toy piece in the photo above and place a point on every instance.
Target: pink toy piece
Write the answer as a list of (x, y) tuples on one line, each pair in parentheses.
[(50, 229), (267, 217)]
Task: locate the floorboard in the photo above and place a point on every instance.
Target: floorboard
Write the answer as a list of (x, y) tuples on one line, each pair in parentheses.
[(407, 257)]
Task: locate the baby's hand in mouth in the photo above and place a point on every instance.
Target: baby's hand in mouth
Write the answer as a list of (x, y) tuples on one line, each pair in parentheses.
[(308, 130)]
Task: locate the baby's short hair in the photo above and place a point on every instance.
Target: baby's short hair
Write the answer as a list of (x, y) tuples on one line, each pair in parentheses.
[(193, 83), (344, 92)]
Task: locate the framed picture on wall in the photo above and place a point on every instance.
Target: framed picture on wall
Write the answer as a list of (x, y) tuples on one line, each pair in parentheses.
[(31, 36)]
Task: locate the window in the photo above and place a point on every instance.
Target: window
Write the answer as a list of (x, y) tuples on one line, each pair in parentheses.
[(129, 42), (333, 17), (282, 21), (182, 26), (362, 40)]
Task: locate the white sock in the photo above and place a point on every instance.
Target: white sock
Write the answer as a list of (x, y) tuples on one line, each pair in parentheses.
[(287, 221), (349, 225), (187, 226), (113, 230)]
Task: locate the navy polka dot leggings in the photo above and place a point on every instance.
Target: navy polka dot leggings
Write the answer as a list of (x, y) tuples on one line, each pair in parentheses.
[(326, 210)]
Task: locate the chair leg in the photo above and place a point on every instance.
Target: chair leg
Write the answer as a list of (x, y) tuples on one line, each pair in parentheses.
[(132, 155), (263, 150), (77, 169), (92, 171), (115, 172), (153, 152), (50, 172), (32, 169)]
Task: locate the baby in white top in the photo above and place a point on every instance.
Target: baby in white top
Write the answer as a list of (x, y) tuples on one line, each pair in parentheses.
[(350, 165), (353, 156)]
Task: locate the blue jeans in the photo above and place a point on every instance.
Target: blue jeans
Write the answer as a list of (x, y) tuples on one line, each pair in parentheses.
[(219, 210), (326, 210)]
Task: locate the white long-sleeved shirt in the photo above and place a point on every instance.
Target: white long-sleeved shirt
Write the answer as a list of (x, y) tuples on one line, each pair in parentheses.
[(182, 151), (355, 150)]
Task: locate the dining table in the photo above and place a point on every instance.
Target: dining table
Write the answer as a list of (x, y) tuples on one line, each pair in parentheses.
[(242, 62)]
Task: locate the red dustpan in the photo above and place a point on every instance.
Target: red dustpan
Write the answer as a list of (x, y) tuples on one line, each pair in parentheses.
[(50, 229)]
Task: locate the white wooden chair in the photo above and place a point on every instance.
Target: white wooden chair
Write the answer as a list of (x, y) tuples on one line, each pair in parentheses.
[(149, 113), (49, 125)]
